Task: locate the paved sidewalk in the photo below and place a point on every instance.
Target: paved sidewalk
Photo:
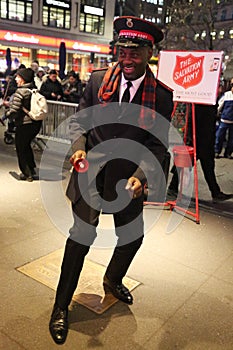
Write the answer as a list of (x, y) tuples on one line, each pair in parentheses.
[(184, 301)]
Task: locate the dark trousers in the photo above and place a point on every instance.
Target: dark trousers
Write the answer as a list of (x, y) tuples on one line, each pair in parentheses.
[(23, 137), (220, 137), (129, 231), (208, 165)]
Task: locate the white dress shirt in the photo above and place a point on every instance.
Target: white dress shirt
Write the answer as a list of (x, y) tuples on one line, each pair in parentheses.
[(135, 85)]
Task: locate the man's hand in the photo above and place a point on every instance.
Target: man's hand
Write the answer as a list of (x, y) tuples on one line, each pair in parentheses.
[(77, 155), (134, 187), (6, 103)]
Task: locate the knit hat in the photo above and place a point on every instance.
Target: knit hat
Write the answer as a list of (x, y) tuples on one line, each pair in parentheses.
[(134, 32), (27, 74)]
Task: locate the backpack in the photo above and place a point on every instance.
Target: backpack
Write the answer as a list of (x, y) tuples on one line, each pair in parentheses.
[(39, 106)]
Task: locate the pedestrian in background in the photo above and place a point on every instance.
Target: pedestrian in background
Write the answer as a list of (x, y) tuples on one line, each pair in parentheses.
[(129, 80), (10, 86), (26, 128), (35, 66), (225, 109), (39, 77), (73, 89), (51, 88), (205, 119)]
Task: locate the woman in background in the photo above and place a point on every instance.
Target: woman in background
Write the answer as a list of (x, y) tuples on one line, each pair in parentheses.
[(26, 128)]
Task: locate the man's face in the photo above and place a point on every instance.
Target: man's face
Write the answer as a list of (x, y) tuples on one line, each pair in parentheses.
[(19, 80), (34, 67), (53, 77), (133, 61), (72, 80)]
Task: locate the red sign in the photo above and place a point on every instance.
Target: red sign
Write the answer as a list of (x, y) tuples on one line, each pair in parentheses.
[(192, 75), (188, 70)]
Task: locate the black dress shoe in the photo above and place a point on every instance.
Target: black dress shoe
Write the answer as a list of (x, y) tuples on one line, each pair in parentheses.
[(220, 197), (119, 291), (25, 178), (58, 325)]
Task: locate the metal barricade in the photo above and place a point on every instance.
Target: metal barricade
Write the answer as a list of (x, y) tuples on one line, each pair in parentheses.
[(56, 124)]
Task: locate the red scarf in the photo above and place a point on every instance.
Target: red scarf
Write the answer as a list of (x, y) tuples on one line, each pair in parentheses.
[(109, 87)]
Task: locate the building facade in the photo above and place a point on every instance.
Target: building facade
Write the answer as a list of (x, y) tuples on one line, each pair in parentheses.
[(200, 25), (34, 29), (151, 10)]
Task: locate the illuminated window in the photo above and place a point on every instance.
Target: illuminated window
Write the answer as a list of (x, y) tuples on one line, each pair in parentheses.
[(92, 17), (57, 16), (231, 33), (16, 10), (160, 10), (91, 24)]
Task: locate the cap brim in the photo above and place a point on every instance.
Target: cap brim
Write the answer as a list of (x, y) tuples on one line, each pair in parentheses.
[(126, 42)]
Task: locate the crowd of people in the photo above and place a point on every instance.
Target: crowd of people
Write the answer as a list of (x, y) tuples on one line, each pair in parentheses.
[(16, 96), (48, 83)]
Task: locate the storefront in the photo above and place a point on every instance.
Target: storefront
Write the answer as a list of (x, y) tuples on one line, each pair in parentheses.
[(81, 56)]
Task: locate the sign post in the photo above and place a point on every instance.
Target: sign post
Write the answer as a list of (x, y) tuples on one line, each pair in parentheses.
[(194, 78)]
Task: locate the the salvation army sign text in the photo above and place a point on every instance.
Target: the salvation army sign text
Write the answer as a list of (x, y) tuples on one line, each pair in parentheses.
[(193, 76), (188, 70)]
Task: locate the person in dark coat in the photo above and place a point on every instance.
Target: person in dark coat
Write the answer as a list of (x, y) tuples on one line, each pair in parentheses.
[(205, 119), (225, 109), (10, 86), (124, 141), (51, 88), (73, 89), (26, 128)]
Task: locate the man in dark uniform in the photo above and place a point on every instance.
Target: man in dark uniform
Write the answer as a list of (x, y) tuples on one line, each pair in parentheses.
[(118, 139)]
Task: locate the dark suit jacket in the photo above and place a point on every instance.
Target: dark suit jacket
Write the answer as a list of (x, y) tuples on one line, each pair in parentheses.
[(113, 140)]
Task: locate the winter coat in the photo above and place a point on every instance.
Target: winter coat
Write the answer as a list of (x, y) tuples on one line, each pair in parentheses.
[(225, 106), (112, 134), (21, 98), (48, 87), (75, 91)]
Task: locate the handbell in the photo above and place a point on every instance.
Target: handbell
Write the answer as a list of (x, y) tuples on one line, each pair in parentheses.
[(81, 165)]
